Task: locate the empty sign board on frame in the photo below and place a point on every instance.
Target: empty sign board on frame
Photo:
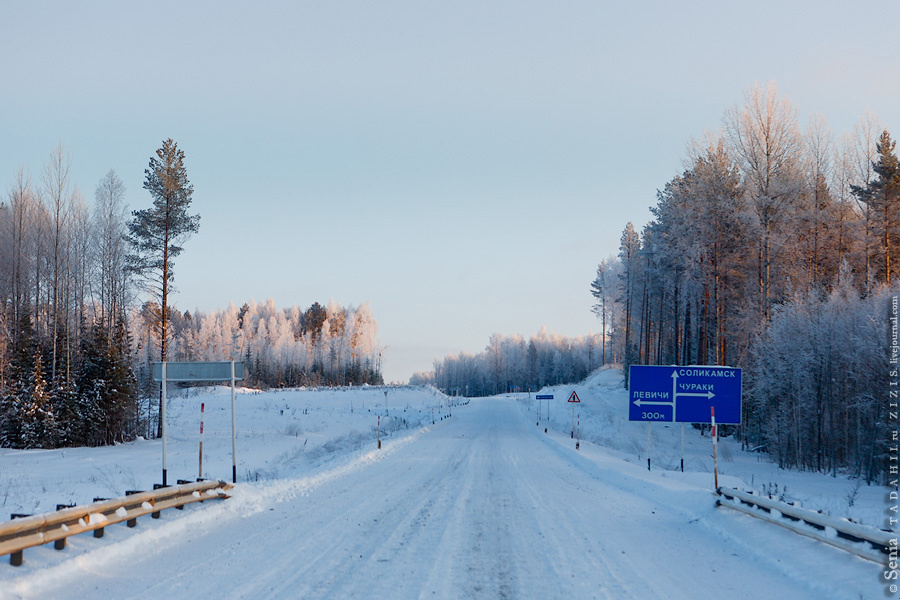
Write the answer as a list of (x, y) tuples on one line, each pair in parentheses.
[(199, 371)]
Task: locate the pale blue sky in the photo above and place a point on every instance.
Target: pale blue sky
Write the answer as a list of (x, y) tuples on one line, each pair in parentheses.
[(461, 166)]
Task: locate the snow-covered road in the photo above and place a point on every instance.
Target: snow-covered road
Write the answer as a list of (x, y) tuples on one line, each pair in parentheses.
[(483, 505)]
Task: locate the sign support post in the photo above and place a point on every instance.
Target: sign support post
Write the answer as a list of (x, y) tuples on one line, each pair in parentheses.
[(233, 431), (573, 420), (163, 417), (715, 439), (540, 398), (682, 447), (648, 444), (573, 399)]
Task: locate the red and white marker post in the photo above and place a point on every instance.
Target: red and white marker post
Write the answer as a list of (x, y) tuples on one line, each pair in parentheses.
[(200, 472)]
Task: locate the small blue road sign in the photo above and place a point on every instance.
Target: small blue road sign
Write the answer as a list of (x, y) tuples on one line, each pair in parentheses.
[(544, 397), (684, 394)]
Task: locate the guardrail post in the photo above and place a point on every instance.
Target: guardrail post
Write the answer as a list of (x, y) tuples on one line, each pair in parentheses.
[(15, 559)]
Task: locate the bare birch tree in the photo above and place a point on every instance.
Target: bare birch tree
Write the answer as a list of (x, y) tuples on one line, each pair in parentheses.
[(766, 141), (58, 198), (109, 223)]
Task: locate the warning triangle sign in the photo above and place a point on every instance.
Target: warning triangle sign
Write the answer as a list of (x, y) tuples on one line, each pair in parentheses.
[(573, 397)]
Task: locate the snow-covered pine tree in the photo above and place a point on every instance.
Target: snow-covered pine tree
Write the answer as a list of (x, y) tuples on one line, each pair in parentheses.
[(882, 197)]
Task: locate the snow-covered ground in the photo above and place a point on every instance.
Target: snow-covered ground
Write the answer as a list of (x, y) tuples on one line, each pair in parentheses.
[(480, 505), (280, 434)]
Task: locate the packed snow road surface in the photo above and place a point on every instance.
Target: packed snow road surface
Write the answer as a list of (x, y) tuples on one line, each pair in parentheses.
[(483, 505)]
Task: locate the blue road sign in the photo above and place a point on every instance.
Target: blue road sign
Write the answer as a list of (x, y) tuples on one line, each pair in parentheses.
[(684, 394), (544, 397)]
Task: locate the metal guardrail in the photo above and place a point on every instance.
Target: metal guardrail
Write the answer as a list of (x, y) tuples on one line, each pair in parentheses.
[(27, 532), (869, 543)]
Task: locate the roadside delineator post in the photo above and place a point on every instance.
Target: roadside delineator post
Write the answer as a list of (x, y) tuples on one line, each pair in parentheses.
[(379, 432)]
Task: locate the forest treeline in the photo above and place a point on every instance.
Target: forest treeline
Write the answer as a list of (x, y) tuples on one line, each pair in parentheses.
[(327, 345), (510, 363), (76, 342), (775, 250)]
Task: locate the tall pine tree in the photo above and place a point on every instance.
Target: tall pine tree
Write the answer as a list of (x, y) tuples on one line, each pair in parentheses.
[(882, 196), (156, 234)]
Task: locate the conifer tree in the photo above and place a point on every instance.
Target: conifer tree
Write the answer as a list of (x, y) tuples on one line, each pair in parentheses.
[(882, 196), (156, 233), (38, 427)]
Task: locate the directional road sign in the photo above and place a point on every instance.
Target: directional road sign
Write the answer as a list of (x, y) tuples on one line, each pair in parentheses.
[(684, 394), (544, 397)]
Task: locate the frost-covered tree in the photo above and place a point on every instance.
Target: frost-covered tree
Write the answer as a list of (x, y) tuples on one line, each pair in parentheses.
[(58, 198), (603, 290), (814, 382), (109, 230), (630, 276), (862, 155), (764, 137)]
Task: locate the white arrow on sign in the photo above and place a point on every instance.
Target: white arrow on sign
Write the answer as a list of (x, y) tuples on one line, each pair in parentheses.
[(651, 402), (675, 395)]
